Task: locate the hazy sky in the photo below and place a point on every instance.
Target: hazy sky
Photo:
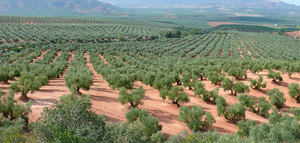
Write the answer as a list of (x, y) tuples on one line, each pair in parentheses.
[(297, 2)]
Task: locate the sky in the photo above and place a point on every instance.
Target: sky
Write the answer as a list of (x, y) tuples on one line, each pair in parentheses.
[(296, 2)]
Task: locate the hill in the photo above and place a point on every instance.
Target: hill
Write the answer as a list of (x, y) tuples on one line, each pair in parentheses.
[(55, 7), (245, 6)]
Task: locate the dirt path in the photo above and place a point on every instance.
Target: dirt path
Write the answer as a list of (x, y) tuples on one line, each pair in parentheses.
[(47, 95), (103, 98), (246, 48), (40, 57)]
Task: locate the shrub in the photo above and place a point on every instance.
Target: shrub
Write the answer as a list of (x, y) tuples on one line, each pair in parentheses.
[(296, 112), (211, 96), (9, 108), (237, 72), (287, 130), (256, 68), (196, 118), (245, 126), (247, 101), (258, 83), (148, 124), (221, 105), (134, 98), (79, 77), (276, 98), (227, 84), (28, 82), (294, 91), (235, 113), (274, 117), (188, 80), (71, 120), (199, 88), (176, 95), (275, 76), (263, 107), (240, 87), (5, 74)]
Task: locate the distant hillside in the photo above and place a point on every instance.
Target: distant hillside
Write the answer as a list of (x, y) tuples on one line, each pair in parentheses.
[(246, 6), (56, 7)]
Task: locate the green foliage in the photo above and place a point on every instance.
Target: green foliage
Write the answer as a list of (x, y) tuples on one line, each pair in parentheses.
[(206, 137), (13, 118), (5, 73), (237, 72), (188, 80), (275, 76), (240, 87), (276, 98), (28, 81), (196, 118), (11, 131), (274, 117), (235, 113), (172, 34), (247, 101), (208, 96), (296, 112), (263, 107), (221, 105), (245, 126), (286, 130), (227, 84), (258, 83), (9, 108), (79, 77), (176, 95), (294, 91), (255, 68), (148, 124), (70, 120), (134, 98)]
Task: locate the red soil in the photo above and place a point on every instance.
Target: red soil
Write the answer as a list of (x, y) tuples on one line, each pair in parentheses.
[(105, 101), (294, 34)]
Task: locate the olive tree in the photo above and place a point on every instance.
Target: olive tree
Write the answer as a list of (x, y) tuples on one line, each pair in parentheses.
[(240, 87), (71, 120), (245, 126), (134, 98), (235, 113), (237, 72), (275, 76), (227, 84), (196, 118), (28, 82), (5, 74), (263, 107), (294, 91), (188, 80), (79, 77), (276, 98), (258, 83), (147, 122), (10, 109), (221, 105), (175, 94), (208, 96), (247, 101)]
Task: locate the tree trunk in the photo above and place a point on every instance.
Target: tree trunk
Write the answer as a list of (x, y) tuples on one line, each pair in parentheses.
[(24, 97), (231, 91), (190, 88), (78, 90)]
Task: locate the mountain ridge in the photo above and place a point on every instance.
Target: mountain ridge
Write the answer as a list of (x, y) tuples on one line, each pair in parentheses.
[(56, 7), (269, 6)]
